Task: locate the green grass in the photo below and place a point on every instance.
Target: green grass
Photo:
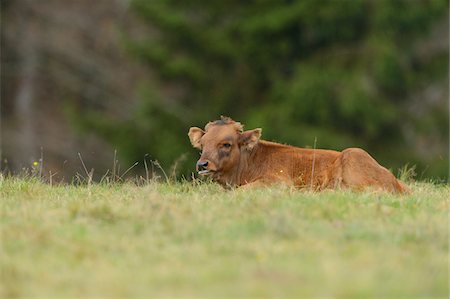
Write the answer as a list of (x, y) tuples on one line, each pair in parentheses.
[(198, 240)]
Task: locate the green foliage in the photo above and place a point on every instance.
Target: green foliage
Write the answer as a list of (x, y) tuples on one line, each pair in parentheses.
[(341, 71), (197, 240)]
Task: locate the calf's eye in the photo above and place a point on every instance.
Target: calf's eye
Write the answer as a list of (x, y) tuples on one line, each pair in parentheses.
[(226, 145)]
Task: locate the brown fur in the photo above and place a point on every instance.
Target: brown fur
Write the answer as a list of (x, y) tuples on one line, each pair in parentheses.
[(237, 158)]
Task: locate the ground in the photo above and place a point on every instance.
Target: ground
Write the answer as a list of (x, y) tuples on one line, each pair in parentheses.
[(197, 240)]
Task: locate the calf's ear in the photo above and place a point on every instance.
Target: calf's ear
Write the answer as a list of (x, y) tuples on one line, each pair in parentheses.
[(250, 138), (195, 134)]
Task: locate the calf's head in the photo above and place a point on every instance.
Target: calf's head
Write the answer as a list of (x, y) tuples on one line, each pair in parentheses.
[(222, 143)]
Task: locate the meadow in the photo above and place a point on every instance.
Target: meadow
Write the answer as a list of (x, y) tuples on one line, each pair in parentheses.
[(197, 240)]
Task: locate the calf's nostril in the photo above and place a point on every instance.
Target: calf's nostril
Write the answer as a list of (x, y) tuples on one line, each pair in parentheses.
[(202, 165)]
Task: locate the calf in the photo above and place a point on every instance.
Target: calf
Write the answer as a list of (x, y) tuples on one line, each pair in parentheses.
[(234, 157)]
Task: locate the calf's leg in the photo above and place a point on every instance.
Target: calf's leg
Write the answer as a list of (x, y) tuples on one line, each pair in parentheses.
[(359, 170)]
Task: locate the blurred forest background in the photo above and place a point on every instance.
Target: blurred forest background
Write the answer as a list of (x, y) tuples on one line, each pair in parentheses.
[(134, 75)]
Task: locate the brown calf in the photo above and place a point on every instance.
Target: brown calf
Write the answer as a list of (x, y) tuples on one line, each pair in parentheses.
[(233, 157)]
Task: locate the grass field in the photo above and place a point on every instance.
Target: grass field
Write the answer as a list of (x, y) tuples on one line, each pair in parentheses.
[(197, 240)]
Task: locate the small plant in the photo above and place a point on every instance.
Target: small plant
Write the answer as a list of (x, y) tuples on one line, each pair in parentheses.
[(407, 173)]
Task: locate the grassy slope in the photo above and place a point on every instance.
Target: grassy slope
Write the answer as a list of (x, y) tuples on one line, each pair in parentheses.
[(201, 241)]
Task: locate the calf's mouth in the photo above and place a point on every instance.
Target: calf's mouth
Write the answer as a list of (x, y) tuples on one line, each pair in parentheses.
[(206, 172)]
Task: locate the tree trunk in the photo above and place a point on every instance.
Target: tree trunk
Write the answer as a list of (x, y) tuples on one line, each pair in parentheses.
[(25, 98)]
